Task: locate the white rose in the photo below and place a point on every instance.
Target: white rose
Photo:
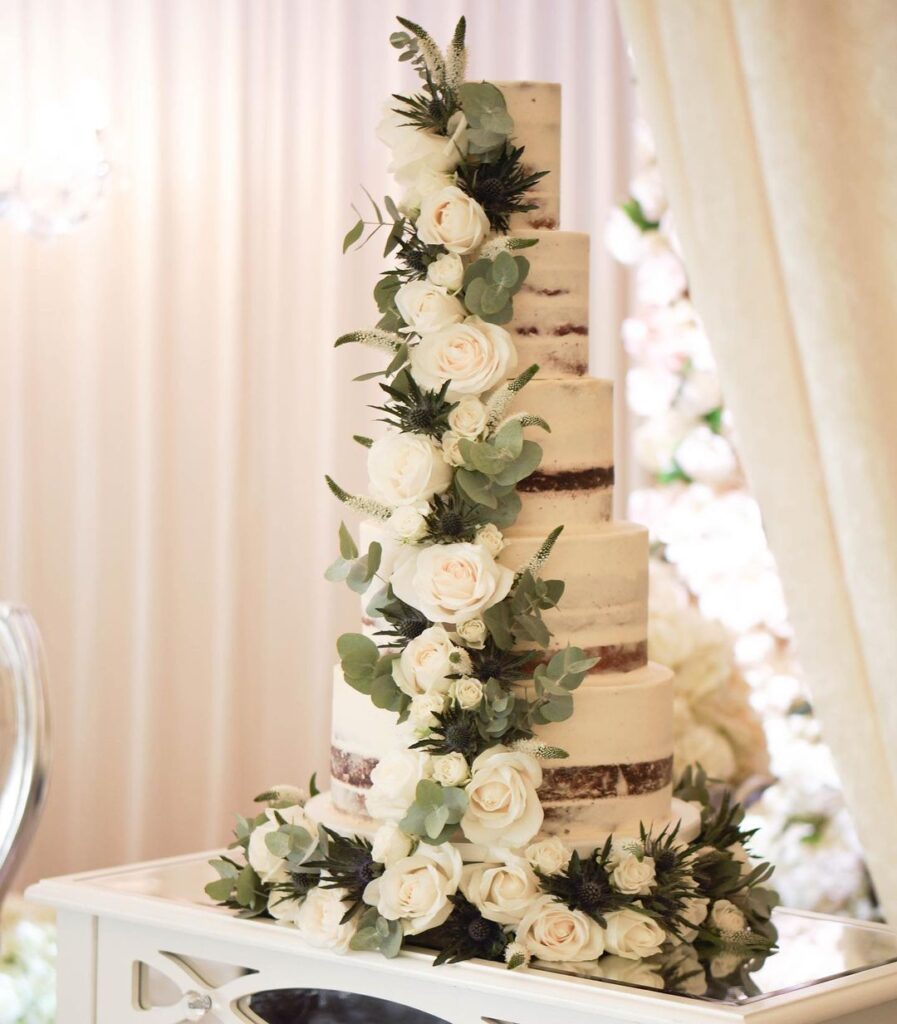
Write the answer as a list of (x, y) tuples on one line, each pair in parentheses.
[(390, 844), (452, 219), (424, 708), (633, 935), (473, 633), (694, 910), (648, 191), (656, 440), (267, 866), (406, 468), (618, 968), (414, 151), (502, 892), (426, 308), (468, 418), (409, 523), (282, 906), (699, 393), (550, 855), (669, 639), (624, 241), (428, 661), (742, 858), (473, 355), (451, 448), (633, 875), (451, 582), (426, 183), (468, 693), (707, 747), (394, 782), (447, 271), (723, 964), (503, 806), (687, 970), (551, 931), (319, 919), (707, 457), (725, 917), (451, 769), (415, 890), (491, 538)]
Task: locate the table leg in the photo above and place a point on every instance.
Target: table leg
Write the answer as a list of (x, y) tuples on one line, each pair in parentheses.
[(76, 975)]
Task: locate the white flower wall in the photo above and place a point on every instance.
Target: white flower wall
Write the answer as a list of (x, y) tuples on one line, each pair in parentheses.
[(718, 614)]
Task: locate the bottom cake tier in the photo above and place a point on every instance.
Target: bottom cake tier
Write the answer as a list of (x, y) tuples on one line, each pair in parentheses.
[(619, 742)]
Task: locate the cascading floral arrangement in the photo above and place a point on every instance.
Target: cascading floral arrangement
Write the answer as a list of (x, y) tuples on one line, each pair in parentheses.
[(459, 633)]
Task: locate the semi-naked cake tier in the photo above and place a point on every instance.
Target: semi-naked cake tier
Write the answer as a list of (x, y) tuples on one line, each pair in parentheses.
[(551, 310), (619, 739), (536, 109), (573, 486), (619, 742)]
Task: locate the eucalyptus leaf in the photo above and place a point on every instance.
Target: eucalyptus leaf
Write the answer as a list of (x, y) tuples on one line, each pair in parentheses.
[(220, 890), (347, 546), (523, 466), (494, 299), (353, 234), (337, 571), (505, 270), (476, 487)]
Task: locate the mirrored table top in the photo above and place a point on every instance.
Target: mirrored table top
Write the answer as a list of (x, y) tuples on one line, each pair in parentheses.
[(812, 948)]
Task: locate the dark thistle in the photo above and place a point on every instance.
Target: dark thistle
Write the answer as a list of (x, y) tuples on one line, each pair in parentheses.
[(452, 519), (500, 187), (415, 410), (466, 935), (585, 885), (405, 622), (506, 666), (347, 864), (456, 731)]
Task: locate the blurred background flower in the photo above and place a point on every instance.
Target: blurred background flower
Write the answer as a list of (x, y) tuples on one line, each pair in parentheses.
[(718, 613)]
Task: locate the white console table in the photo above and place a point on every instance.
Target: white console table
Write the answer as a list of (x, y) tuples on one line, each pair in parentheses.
[(143, 945)]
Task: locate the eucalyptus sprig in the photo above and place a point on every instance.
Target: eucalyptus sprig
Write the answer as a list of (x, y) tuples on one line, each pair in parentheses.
[(356, 571)]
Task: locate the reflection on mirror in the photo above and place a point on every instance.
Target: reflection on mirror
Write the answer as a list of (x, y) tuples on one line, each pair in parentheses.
[(313, 1006)]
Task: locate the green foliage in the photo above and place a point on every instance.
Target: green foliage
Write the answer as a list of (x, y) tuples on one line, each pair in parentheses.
[(357, 572), (489, 123), (491, 284), (504, 459), (415, 410), (633, 210), (518, 618), (555, 683), (377, 934), (435, 813), (714, 419)]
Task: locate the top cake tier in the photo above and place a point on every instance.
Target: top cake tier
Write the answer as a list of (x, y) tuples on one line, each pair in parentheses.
[(536, 109)]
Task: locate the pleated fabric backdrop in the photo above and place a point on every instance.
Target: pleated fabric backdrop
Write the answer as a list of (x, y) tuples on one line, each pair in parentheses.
[(169, 397)]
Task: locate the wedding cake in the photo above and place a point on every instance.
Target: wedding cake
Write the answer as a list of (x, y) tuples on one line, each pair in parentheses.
[(501, 758), (619, 742)]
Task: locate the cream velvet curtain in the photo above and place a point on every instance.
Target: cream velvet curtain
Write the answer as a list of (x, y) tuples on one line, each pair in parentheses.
[(777, 132), (169, 397)]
